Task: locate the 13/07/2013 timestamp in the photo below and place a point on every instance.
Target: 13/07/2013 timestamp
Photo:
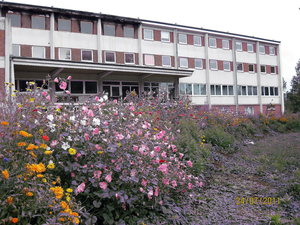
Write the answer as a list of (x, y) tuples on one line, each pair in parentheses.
[(257, 201)]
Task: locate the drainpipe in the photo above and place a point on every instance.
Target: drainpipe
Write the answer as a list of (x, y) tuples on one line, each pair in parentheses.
[(207, 72), (10, 74), (259, 78), (176, 48), (235, 75)]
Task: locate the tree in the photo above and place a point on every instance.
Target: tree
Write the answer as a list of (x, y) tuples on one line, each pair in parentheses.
[(293, 96)]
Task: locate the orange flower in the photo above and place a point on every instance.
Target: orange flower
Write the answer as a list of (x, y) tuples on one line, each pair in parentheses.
[(15, 220), (25, 134), (21, 144), (5, 174), (29, 193), (64, 205), (31, 147), (9, 200), (44, 146), (32, 154), (4, 123)]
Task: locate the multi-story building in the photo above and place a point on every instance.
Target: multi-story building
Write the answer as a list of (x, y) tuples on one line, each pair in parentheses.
[(118, 54)]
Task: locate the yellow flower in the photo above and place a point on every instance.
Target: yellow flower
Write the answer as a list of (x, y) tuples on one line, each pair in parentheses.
[(31, 147), (51, 166), (4, 123), (119, 144), (29, 193), (53, 182), (40, 175), (41, 131), (68, 198), (58, 191), (38, 168), (5, 174), (48, 152), (44, 180), (32, 154), (31, 99), (72, 151), (64, 205), (76, 220), (43, 146), (100, 152), (21, 144), (70, 190), (9, 200)]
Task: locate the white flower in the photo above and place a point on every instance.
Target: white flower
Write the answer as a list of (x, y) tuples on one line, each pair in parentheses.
[(96, 122), (69, 138), (72, 118), (100, 100), (83, 122), (105, 97), (50, 117), (65, 145)]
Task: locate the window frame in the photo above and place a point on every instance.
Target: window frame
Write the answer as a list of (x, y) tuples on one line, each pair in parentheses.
[(264, 51), (44, 27), (106, 58), (196, 36), (86, 22), (152, 56), (182, 35), (19, 50), (228, 63), (237, 67), (249, 110), (187, 62), (169, 36), (162, 60), (14, 14), (271, 47), (59, 53), (44, 51), (227, 41), (253, 71), (145, 36), (263, 66), (239, 43), (91, 55), (275, 72), (60, 19), (215, 42), (201, 62), (131, 28), (127, 53), (211, 63), (251, 46)]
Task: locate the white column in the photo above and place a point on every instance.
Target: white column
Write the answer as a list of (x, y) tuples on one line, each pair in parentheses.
[(280, 81), (258, 77), (52, 49), (235, 80), (9, 76), (140, 35), (99, 34), (207, 71), (176, 48)]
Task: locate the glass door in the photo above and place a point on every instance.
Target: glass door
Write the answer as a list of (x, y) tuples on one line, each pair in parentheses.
[(115, 92)]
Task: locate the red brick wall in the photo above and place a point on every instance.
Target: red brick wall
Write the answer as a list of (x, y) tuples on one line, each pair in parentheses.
[(244, 44), (204, 63), (219, 43), (268, 69), (220, 65), (76, 54), (95, 27), (246, 67), (231, 66), (203, 41), (136, 33), (2, 42), (95, 56), (119, 31), (171, 37), (267, 50), (120, 57), (230, 44), (47, 23), (255, 65), (191, 62), (47, 52), (157, 60), (172, 61), (190, 39), (26, 50), (25, 20), (254, 47), (275, 50), (157, 35), (56, 24), (75, 26), (56, 53), (136, 58), (2, 79)]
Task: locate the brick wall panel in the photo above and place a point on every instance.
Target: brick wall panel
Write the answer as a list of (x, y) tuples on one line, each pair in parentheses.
[(75, 26), (157, 60), (119, 31), (275, 50), (95, 27), (172, 61), (157, 35), (267, 50), (143, 33), (246, 67), (47, 23), (244, 44), (136, 55), (76, 54), (268, 69), (95, 56), (204, 63), (2, 42), (26, 50), (190, 39), (56, 24), (276, 69), (254, 48), (120, 57), (47, 52), (255, 66), (220, 64), (219, 43), (56, 53), (2, 80), (203, 40), (172, 37), (191, 62), (231, 66), (25, 21), (136, 33), (230, 44)]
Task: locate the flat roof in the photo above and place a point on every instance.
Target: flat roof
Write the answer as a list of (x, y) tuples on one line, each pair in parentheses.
[(13, 5)]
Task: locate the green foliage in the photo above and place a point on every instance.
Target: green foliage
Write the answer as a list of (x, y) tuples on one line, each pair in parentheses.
[(275, 219)]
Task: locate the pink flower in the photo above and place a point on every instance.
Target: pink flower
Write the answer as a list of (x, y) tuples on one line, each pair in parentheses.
[(166, 181), (157, 148), (78, 154), (180, 155), (105, 123), (141, 189), (86, 136), (98, 147), (200, 184), (135, 148), (115, 101), (97, 174), (58, 106), (54, 143), (91, 113), (96, 131), (44, 93), (150, 193), (174, 183), (72, 174), (163, 168), (156, 191), (124, 206), (152, 153), (108, 178), (103, 185), (56, 80), (63, 85), (190, 163), (68, 92), (132, 173), (160, 202), (48, 98), (69, 78), (80, 188), (131, 108), (163, 154), (96, 98), (190, 186), (144, 182)]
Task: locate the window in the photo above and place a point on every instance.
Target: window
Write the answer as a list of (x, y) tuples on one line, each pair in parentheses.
[(230, 90), (249, 110), (165, 36), (109, 30), (212, 90), (16, 50), (254, 90), (266, 90), (183, 62), (238, 46), (240, 67), (251, 68), (276, 91), (148, 34), (250, 90), (87, 55), (225, 44), (22, 85), (64, 25), (273, 70), (272, 51), (226, 66), (215, 89), (244, 90), (129, 58), (263, 68), (149, 59), (272, 91), (86, 27), (65, 54), (262, 90), (197, 40), (110, 57), (196, 89), (249, 47), (224, 90), (212, 42), (198, 64), (181, 89), (213, 65), (166, 61), (218, 89), (188, 89), (129, 32), (15, 19), (91, 87), (76, 87), (262, 49), (183, 38), (38, 22), (38, 52)]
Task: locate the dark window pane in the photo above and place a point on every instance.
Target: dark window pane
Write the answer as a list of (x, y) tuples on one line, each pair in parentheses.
[(15, 19), (145, 83), (244, 90), (188, 89), (230, 88), (212, 89), (271, 90), (154, 84), (129, 32), (125, 91), (147, 89), (135, 89), (254, 90), (196, 89), (77, 87), (86, 27), (90, 87), (129, 58), (251, 68), (224, 90), (266, 90), (40, 83), (86, 55), (111, 82), (203, 89), (155, 91), (38, 22), (64, 25), (106, 89), (262, 90), (24, 84), (218, 89), (249, 90), (133, 83), (182, 89), (239, 90), (109, 30), (276, 91), (110, 57), (115, 91)]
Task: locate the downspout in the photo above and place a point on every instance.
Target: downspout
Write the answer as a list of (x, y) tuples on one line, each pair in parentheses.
[(10, 74), (207, 71), (235, 75)]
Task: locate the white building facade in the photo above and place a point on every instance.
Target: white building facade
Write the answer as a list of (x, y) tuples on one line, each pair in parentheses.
[(117, 54)]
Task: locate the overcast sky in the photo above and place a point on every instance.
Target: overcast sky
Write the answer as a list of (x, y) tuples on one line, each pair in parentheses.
[(270, 19)]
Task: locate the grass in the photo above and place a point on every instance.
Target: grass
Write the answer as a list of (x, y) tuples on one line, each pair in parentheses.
[(269, 168)]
